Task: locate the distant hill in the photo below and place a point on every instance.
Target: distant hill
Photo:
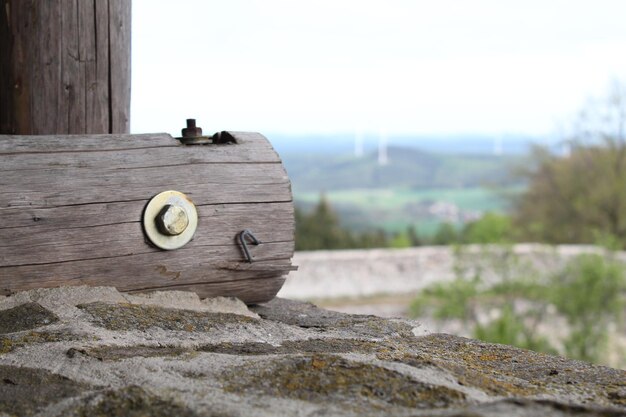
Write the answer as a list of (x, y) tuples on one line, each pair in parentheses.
[(407, 167)]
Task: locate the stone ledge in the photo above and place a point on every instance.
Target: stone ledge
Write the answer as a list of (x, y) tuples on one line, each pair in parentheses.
[(84, 351)]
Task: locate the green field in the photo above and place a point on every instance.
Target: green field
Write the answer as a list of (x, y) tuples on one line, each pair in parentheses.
[(414, 188), (393, 209)]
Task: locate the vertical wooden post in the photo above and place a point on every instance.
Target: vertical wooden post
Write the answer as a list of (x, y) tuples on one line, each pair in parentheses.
[(64, 66)]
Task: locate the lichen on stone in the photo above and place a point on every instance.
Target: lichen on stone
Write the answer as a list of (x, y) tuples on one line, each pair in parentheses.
[(326, 345), (116, 353), (508, 371), (26, 316), (308, 316), (131, 401), (321, 378), (14, 341), (165, 356), (526, 407), (26, 391), (133, 317)]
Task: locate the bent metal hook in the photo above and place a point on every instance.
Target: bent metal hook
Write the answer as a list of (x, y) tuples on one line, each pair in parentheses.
[(244, 246)]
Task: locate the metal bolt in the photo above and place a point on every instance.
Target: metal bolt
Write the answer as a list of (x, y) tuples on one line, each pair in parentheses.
[(191, 131), (172, 220)]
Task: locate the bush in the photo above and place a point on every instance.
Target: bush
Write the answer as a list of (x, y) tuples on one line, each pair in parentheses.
[(490, 228), (589, 292)]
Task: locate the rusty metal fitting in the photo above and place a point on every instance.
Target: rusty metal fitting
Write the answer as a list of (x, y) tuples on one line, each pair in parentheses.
[(192, 135), (191, 131)]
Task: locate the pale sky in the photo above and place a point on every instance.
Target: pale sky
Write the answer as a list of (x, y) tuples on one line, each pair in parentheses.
[(423, 67)]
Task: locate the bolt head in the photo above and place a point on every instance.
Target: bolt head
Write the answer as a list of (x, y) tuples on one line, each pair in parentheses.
[(191, 131), (172, 220)]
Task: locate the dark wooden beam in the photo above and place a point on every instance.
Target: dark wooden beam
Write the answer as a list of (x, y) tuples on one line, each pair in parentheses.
[(65, 66)]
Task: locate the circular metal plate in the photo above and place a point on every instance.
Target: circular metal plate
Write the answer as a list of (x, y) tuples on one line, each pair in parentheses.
[(154, 208)]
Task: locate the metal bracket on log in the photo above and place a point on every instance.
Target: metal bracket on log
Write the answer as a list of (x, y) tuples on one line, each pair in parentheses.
[(145, 212), (192, 135)]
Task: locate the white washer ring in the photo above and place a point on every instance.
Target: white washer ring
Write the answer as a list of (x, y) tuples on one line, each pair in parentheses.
[(154, 207)]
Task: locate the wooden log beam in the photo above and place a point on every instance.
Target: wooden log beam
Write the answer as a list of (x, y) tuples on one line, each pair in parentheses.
[(71, 212)]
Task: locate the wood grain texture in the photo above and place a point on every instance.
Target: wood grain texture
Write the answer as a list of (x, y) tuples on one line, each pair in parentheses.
[(71, 209), (67, 239), (119, 65), (246, 289), (64, 66), (25, 144), (6, 70)]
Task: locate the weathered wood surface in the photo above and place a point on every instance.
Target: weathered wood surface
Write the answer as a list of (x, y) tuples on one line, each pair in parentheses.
[(65, 66), (71, 208)]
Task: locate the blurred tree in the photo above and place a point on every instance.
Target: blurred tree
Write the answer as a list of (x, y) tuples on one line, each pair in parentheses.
[(446, 234), (580, 197), (491, 228), (321, 229), (414, 238), (400, 240), (376, 239)]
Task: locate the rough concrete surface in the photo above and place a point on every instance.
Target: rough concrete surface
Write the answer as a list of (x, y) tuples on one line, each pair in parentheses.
[(95, 352)]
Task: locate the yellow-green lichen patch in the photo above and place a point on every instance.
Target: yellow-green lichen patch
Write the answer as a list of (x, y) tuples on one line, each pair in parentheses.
[(329, 345), (308, 316), (377, 327), (116, 353), (329, 378), (524, 407), (132, 317), (509, 371), (250, 348), (26, 391), (14, 341), (616, 394), (383, 350), (131, 401), (25, 317)]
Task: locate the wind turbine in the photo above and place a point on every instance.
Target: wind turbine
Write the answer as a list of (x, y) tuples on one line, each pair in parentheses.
[(358, 143), (383, 158)]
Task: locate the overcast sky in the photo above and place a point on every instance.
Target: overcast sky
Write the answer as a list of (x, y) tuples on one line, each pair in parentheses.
[(429, 67)]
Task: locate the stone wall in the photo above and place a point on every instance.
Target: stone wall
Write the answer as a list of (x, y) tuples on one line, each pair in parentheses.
[(85, 351), (360, 273)]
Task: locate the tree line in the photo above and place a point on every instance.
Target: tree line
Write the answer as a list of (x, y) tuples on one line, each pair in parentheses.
[(321, 228)]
